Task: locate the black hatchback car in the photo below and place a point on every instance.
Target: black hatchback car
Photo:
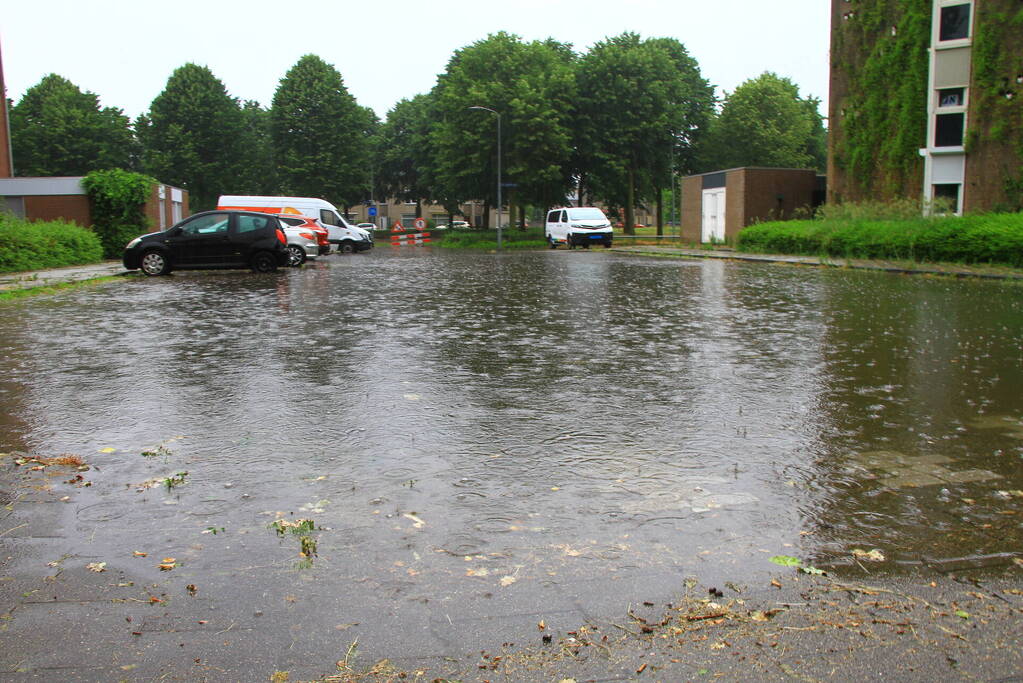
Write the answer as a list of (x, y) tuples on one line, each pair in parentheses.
[(211, 239)]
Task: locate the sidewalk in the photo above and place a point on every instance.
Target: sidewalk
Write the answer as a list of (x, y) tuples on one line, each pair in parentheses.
[(902, 267), (56, 276)]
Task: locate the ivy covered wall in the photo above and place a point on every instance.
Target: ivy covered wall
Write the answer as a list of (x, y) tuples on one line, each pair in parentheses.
[(878, 104), (994, 138)]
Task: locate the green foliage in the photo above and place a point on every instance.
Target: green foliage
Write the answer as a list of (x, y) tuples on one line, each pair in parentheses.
[(195, 137), (532, 87), (402, 151), (977, 238), (58, 130), (884, 117), (996, 111), (321, 136), (486, 240), (26, 245), (765, 122), (117, 200), (643, 107)]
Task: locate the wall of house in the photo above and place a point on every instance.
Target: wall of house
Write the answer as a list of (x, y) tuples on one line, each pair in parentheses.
[(692, 209), (776, 193), (68, 207), (751, 194), (994, 161), (161, 210), (6, 170)]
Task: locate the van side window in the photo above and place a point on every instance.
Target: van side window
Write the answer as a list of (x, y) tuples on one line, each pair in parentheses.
[(552, 217), (564, 217), (328, 217)]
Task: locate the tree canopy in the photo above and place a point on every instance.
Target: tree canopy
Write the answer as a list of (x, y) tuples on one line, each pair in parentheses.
[(532, 87), (58, 130), (765, 122), (320, 135), (195, 136), (642, 109)]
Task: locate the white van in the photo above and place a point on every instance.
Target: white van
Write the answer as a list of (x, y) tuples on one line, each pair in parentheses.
[(346, 236), (578, 226)]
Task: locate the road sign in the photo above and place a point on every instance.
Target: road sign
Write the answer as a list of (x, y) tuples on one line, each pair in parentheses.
[(372, 211), (420, 224)]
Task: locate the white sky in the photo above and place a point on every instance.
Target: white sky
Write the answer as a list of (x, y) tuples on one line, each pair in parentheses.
[(125, 51)]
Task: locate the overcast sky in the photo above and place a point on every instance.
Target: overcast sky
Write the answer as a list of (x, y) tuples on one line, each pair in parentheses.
[(388, 50)]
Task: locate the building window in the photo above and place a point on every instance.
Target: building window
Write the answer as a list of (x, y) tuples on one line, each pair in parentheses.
[(952, 97), (948, 130), (946, 196), (955, 22)]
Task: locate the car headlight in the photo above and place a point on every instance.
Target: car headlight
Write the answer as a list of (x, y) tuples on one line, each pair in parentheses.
[(133, 243)]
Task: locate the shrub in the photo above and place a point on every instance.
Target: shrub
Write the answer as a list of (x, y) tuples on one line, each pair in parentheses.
[(118, 199), (487, 239), (979, 238), (28, 245)]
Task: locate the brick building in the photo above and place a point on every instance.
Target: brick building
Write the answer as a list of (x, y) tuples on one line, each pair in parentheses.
[(716, 206), (48, 199), (927, 102)]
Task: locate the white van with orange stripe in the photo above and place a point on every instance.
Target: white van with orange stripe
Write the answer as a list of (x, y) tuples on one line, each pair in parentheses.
[(346, 236)]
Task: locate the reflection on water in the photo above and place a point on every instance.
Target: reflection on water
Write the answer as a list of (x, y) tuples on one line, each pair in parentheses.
[(555, 417)]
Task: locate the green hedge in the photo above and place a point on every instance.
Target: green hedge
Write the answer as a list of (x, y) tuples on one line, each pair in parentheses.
[(511, 238), (980, 238), (28, 245)]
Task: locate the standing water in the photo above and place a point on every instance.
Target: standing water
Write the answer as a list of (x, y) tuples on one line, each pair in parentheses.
[(481, 439)]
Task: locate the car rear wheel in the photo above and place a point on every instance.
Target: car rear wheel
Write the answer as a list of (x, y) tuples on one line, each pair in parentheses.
[(296, 255), (264, 262), (154, 263), (346, 248)]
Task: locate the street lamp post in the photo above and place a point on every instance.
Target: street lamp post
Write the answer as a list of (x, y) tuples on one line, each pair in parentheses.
[(499, 183)]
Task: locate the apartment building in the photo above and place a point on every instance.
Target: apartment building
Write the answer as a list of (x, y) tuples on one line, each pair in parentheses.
[(927, 101)]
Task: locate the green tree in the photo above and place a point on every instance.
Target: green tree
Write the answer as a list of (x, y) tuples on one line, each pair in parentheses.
[(58, 130), (642, 109), (765, 122), (195, 137), (401, 151), (320, 135), (532, 86), (260, 176)]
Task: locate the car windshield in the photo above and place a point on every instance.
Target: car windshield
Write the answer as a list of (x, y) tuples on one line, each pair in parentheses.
[(586, 215)]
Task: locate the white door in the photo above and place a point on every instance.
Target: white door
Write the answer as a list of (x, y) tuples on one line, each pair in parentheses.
[(714, 215)]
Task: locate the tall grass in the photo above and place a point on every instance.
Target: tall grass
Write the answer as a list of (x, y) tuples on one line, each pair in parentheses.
[(33, 245), (875, 234)]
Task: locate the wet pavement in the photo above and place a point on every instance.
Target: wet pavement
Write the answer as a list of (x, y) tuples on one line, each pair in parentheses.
[(482, 442)]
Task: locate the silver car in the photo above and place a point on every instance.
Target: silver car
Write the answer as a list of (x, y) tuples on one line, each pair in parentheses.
[(302, 245)]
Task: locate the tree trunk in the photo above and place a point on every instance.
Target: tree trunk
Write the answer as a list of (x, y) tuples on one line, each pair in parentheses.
[(419, 208), (660, 211), (630, 200), (486, 215)]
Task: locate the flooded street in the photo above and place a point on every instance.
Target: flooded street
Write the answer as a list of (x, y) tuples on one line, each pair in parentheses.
[(482, 441)]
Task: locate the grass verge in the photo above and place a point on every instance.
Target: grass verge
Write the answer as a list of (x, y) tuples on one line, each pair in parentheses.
[(486, 240), (25, 292)]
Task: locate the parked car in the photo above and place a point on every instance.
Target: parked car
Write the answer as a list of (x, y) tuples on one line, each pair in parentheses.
[(578, 226), (211, 239), (346, 236), (302, 245), (310, 224)]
